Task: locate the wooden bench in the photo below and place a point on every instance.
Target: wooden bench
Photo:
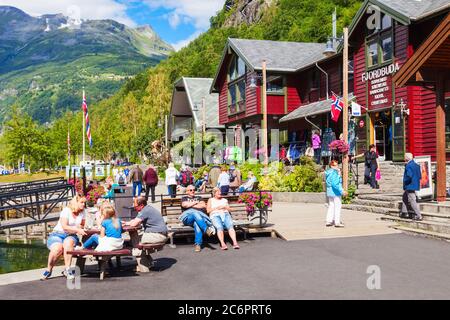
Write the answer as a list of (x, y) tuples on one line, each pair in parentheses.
[(145, 260), (102, 257), (171, 211)]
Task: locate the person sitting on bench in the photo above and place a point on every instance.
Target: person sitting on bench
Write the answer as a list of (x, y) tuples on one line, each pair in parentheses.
[(194, 215), (155, 229), (248, 185), (110, 237), (219, 211)]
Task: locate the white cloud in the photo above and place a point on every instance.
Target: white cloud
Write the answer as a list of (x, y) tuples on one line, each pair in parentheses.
[(183, 43), (87, 9), (174, 20), (197, 12)]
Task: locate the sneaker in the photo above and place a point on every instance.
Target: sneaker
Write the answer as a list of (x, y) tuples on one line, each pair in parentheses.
[(197, 248), (339, 225), (417, 218), (329, 224), (78, 248), (210, 231), (46, 275)]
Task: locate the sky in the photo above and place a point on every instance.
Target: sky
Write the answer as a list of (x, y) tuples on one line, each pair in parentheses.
[(177, 21)]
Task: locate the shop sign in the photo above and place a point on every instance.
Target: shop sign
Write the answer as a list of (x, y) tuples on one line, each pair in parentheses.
[(356, 109), (382, 72)]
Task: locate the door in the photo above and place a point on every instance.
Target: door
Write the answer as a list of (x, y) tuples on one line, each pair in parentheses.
[(398, 135), (380, 141)]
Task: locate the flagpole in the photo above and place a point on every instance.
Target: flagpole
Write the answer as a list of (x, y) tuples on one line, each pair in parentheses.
[(84, 129)]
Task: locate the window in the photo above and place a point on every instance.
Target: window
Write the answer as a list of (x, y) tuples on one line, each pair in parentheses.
[(314, 80), (236, 85), (275, 86), (379, 44)]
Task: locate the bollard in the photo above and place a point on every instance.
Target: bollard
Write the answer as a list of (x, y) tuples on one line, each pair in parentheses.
[(25, 239), (45, 233)]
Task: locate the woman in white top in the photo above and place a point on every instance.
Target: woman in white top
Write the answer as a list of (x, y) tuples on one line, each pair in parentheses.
[(64, 236), (219, 212), (172, 175), (224, 181)]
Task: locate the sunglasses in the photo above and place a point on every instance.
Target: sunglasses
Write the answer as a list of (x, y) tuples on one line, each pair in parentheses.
[(190, 189)]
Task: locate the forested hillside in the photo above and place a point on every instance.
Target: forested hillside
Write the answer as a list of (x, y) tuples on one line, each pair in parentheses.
[(127, 122)]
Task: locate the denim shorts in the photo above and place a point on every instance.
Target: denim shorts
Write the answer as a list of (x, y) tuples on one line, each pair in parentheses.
[(57, 237), (221, 225)]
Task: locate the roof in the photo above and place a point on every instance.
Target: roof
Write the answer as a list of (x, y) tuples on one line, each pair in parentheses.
[(280, 56), (434, 52), (196, 90), (307, 110), (415, 9), (404, 11)]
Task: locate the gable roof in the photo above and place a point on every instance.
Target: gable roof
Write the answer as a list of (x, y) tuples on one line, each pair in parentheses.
[(434, 51), (404, 11), (196, 90), (280, 56)]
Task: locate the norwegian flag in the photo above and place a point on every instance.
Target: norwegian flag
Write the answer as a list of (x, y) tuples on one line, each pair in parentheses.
[(336, 108), (86, 117)]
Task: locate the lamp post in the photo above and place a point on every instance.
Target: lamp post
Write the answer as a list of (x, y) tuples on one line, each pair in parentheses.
[(264, 107), (264, 125), (328, 52)]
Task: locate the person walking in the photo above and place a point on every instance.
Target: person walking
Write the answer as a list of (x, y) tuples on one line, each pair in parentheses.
[(371, 165), (316, 145), (151, 181), (172, 175), (411, 184), (334, 193), (136, 178)]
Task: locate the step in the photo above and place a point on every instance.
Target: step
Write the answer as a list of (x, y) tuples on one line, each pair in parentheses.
[(381, 197), (435, 207), (423, 225), (427, 216), (424, 233), (378, 192), (363, 208), (376, 203)]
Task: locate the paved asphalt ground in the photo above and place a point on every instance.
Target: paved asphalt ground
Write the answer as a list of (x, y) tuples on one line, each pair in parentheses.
[(266, 268)]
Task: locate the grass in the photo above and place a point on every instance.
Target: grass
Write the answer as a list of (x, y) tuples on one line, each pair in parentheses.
[(12, 178)]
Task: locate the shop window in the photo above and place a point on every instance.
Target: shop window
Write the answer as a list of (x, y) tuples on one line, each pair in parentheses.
[(276, 86), (237, 85), (379, 48)]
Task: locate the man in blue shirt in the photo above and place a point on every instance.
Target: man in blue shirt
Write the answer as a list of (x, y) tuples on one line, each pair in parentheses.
[(411, 184)]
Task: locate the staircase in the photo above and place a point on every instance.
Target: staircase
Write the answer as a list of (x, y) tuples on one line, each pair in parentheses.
[(386, 201)]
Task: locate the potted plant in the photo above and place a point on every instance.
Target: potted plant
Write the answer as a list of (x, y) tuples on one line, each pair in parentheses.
[(339, 148), (257, 204), (93, 195)]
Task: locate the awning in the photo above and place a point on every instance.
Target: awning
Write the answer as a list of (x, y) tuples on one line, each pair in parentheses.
[(308, 110)]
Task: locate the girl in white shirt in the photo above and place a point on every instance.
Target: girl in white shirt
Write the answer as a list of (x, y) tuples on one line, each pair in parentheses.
[(64, 236)]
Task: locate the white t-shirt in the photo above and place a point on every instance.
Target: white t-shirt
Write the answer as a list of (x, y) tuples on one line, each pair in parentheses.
[(71, 221), (224, 179), (215, 203), (171, 176)]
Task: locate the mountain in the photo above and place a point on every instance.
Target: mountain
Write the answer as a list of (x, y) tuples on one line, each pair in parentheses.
[(46, 61)]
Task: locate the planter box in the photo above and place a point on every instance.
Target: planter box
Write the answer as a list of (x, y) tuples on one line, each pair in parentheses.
[(305, 197)]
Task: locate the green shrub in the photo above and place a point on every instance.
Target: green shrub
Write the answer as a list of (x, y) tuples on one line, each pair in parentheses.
[(351, 194)]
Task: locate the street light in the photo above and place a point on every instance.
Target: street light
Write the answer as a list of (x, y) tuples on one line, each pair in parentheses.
[(329, 50)]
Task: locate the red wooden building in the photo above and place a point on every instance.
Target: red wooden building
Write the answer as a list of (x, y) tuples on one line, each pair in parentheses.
[(382, 37)]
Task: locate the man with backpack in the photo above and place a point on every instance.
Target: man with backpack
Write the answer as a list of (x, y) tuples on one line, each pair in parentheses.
[(235, 178), (151, 181), (121, 178)]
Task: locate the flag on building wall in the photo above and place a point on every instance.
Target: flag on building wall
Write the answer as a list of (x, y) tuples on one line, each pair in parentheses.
[(86, 117), (336, 108)]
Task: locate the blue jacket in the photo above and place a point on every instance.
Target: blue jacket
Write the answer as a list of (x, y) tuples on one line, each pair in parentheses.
[(334, 183), (412, 176)]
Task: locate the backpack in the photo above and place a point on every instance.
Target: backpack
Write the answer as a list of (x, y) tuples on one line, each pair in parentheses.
[(186, 178), (232, 176), (121, 180)]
